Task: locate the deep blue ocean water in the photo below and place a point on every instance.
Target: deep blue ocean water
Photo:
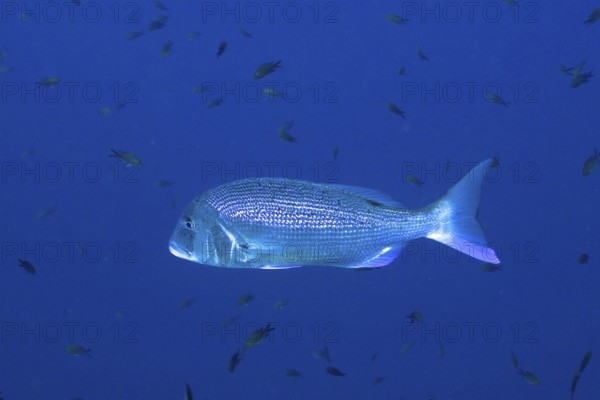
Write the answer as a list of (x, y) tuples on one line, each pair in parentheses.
[(106, 281)]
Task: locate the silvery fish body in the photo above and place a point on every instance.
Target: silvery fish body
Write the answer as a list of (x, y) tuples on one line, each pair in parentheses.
[(281, 223)]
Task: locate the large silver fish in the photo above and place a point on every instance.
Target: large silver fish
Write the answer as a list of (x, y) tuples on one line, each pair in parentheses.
[(276, 223)]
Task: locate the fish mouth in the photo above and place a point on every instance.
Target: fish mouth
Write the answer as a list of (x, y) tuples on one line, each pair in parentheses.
[(178, 251)]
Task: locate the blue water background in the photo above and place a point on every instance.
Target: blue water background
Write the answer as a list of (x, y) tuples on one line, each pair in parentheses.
[(339, 60)]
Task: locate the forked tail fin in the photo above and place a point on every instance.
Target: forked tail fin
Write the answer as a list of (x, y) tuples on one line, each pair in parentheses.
[(458, 226)]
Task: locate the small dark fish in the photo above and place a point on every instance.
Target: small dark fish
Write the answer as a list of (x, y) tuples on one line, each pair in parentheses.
[(77, 350), (585, 361), (394, 108), (283, 133), (442, 351), (244, 32), (279, 304), (590, 163), (244, 299), (413, 180), (27, 266), (214, 103), (408, 346), (293, 373), (579, 77), (192, 35), (188, 392), (49, 81), (336, 151), (186, 303), (27, 153), (160, 5), (323, 353), (259, 335), (221, 49), (566, 70), (489, 267), (497, 99), (158, 23), (133, 35), (199, 88), (594, 16), (529, 377), (402, 71), (574, 382), (513, 359), (396, 19), (287, 136), (47, 211), (583, 258), (415, 316), (128, 158), (234, 361), (495, 162), (374, 357), (378, 380), (163, 183), (166, 49), (272, 93), (266, 69), (334, 371), (422, 55)]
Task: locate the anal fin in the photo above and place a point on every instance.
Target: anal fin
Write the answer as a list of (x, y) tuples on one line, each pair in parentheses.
[(384, 257)]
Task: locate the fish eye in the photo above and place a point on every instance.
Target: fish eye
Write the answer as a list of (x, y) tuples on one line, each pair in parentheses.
[(189, 223)]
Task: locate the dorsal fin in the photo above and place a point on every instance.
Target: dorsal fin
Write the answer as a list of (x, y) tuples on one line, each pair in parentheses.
[(371, 195)]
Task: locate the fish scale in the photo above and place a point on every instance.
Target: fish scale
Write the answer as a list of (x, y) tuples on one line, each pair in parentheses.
[(303, 215), (282, 223)]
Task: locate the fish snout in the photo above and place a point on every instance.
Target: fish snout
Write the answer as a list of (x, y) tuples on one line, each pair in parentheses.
[(178, 250)]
